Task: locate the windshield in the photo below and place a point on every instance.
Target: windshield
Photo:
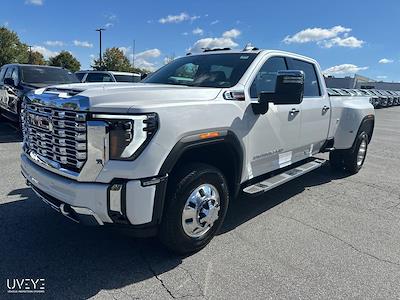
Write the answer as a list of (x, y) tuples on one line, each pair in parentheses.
[(126, 78), (43, 75), (214, 70)]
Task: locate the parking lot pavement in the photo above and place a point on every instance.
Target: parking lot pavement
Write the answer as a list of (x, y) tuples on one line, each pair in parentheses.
[(320, 236)]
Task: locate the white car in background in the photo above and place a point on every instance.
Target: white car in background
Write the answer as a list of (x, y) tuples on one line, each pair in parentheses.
[(107, 76)]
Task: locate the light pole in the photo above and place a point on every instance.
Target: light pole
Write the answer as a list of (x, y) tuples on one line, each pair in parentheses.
[(100, 30), (30, 55)]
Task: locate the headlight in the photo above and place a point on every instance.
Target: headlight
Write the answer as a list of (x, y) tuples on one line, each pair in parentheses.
[(129, 134)]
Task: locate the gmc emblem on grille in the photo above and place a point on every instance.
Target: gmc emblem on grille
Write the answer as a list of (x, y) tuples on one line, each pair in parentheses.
[(41, 122)]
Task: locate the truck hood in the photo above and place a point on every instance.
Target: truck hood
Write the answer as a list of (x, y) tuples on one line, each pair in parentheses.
[(123, 97)]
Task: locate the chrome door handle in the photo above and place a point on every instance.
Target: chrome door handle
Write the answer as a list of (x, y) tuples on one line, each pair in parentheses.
[(294, 111), (325, 108)]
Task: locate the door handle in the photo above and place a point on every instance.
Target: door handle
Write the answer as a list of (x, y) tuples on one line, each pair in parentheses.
[(325, 109), (294, 111)]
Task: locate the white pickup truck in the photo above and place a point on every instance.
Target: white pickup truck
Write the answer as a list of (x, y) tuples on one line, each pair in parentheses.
[(166, 156)]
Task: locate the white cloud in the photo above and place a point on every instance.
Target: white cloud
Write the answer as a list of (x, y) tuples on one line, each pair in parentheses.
[(381, 77), (125, 50), (325, 37), (344, 69), (386, 61), (350, 42), (146, 58), (6, 23), (315, 34), (108, 25), (211, 43), (44, 51), (152, 53), (83, 44), (34, 2), (54, 43), (227, 40), (198, 31), (231, 34), (178, 18), (214, 22), (111, 17), (185, 33)]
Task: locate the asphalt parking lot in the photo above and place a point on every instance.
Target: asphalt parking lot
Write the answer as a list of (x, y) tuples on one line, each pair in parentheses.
[(321, 236)]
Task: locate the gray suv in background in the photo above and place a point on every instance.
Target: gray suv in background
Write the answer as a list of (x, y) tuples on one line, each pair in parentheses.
[(107, 76)]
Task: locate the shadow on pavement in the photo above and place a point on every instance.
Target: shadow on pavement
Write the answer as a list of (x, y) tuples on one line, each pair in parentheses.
[(9, 133), (78, 261), (247, 207)]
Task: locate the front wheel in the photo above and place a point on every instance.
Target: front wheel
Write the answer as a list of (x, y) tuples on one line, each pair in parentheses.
[(195, 210)]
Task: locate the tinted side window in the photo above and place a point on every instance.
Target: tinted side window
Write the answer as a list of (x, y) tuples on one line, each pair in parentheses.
[(98, 77), (2, 73), (14, 75), (311, 84), (9, 72), (80, 76), (266, 78)]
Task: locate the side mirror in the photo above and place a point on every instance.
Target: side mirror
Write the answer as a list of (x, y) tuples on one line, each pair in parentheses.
[(9, 81), (289, 89)]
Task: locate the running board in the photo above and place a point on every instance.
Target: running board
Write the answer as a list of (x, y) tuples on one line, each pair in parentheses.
[(277, 180)]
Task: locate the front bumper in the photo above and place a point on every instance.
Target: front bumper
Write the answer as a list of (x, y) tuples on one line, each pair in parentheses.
[(90, 201)]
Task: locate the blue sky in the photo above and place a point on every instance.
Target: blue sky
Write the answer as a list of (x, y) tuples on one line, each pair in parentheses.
[(344, 36)]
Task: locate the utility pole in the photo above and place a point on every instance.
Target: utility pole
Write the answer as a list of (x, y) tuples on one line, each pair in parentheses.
[(100, 30), (133, 54), (30, 55)]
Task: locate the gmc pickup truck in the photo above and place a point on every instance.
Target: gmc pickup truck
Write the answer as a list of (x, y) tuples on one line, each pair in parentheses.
[(166, 156)]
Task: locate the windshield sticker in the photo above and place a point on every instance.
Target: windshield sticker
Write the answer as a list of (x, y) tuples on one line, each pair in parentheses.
[(244, 57)]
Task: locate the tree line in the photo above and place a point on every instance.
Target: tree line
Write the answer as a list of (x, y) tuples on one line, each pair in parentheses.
[(12, 50)]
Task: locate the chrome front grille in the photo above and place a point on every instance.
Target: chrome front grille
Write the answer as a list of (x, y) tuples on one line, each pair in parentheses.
[(56, 135)]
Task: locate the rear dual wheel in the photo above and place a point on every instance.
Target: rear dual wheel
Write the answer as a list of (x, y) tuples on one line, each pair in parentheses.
[(353, 159)]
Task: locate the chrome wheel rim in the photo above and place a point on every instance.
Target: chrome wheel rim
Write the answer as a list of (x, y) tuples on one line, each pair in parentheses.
[(201, 210), (361, 153)]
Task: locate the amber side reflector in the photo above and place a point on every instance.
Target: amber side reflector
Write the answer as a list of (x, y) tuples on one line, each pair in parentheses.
[(209, 135)]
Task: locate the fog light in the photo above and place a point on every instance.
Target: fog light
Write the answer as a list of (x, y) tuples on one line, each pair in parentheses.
[(115, 198)]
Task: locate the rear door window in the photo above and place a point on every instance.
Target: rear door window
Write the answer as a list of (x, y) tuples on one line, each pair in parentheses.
[(80, 76), (98, 77), (266, 78), (311, 83)]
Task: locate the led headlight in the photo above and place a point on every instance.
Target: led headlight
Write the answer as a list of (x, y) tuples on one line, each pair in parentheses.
[(129, 134)]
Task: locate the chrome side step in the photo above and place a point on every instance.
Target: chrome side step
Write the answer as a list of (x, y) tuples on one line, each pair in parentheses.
[(277, 180)]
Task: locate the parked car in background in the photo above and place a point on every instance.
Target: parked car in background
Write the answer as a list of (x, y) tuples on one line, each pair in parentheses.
[(395, 97), (18, 79), (355, 92), (382, 98), (374, 99), (107, 76)]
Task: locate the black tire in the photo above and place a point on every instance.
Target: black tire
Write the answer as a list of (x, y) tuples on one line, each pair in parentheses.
[(172, 233), (352, 163), (347, 160)]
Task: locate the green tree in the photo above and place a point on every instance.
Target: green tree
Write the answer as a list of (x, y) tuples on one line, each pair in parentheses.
[(66, 60), (36, 58), (11, 48), (113, 60)]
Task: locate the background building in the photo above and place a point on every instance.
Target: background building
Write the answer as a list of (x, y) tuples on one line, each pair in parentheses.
[(360, 82)]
